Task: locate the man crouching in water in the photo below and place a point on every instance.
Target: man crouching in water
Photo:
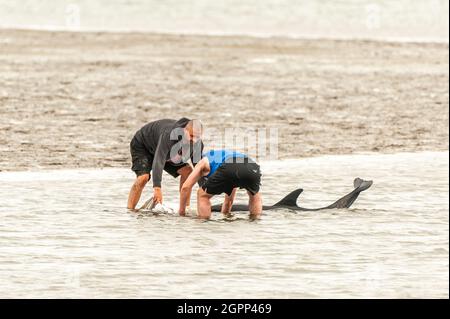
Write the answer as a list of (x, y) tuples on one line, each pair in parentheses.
[(225, 172), (164, 145)]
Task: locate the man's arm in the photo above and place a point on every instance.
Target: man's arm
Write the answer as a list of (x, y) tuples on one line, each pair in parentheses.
[(201, 169), (228, 202), (196, 154), (159, 161)]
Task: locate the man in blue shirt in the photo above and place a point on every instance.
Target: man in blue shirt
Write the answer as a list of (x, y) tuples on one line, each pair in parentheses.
[(223, 171)]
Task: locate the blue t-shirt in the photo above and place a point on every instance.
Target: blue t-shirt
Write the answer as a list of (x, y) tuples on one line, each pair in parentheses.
[(218, 157)]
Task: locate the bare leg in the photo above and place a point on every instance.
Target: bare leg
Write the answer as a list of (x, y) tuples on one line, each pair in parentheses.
[(136, 190), (184, 172), (254, 205), (203, 204), (228, 203)]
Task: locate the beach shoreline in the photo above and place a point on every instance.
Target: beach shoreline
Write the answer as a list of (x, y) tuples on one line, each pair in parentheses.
[(75, 99), (268, 36)]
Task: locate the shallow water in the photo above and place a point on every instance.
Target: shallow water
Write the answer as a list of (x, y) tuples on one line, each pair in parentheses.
[(379, 19), (66, 234)]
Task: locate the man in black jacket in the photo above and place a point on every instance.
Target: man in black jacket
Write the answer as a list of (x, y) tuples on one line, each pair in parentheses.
[(164, 145)]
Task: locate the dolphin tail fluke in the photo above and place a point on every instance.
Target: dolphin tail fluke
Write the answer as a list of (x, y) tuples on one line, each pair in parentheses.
[(149, 204), (291, 199), (347, 201), (361, 184)]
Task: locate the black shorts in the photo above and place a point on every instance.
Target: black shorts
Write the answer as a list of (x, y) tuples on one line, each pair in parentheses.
[(142, 160), (233, 174)]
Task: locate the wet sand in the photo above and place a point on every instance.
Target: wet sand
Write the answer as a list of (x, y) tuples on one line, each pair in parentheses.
[(76, 99)]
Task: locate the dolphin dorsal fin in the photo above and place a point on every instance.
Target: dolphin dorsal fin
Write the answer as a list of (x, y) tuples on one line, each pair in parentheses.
[(291, 199)]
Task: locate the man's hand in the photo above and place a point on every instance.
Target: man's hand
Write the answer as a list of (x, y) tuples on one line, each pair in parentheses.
[(157, 195), (186, 212)]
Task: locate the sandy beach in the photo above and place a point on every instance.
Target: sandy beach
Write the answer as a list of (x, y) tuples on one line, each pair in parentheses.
[(76, 99)]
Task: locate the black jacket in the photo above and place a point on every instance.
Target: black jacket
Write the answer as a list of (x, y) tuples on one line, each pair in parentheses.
[(156, 138)]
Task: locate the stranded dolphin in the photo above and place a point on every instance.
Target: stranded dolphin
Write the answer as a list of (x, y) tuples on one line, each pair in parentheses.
[(290, 201)]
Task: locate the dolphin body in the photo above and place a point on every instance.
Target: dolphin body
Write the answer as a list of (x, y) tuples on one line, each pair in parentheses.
[(290, 201)]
